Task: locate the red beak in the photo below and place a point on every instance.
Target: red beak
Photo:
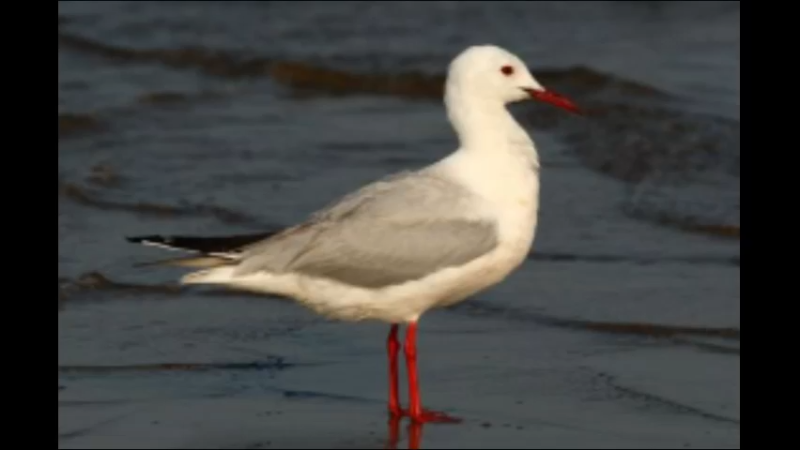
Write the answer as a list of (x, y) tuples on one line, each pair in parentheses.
[(554, 99)]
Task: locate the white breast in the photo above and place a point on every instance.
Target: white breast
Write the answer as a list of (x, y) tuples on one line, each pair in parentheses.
[(507, 190), (506, 186)]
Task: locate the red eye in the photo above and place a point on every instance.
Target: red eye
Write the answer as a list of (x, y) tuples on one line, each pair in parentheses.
[(507, 70)]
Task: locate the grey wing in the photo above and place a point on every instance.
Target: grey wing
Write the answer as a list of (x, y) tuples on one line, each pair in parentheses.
[(390, 232)]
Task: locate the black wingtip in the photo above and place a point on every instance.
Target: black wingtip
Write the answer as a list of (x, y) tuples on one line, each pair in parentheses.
[(143, 239), (215, 244)]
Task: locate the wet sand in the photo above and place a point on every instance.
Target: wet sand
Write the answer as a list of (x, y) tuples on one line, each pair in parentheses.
[(621, 330)]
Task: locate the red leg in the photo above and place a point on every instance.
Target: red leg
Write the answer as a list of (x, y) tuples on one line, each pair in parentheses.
[(393, 348), (415, 411)]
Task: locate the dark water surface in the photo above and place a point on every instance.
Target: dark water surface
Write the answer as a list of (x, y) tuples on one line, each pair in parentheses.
[(620, 331)]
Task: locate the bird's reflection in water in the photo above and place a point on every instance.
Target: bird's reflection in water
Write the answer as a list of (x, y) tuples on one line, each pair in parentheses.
[(414, 434)]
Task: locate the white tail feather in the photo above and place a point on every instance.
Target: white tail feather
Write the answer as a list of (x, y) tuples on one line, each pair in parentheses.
[(217, 275)]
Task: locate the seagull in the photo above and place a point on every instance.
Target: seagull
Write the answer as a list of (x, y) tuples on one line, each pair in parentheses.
[(411, 241)]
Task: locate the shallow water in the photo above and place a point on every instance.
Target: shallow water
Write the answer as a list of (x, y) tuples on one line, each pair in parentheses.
[(621, 330)]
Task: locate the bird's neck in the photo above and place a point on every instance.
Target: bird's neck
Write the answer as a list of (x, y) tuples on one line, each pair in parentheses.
[(485, 126)]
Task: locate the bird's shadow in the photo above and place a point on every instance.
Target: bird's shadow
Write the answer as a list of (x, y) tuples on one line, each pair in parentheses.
[(414, 430)]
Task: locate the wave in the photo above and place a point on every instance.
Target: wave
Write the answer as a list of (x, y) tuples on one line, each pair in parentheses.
[(648, 145)]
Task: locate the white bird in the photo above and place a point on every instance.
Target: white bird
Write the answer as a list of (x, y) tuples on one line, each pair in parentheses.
[(412, 241)]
